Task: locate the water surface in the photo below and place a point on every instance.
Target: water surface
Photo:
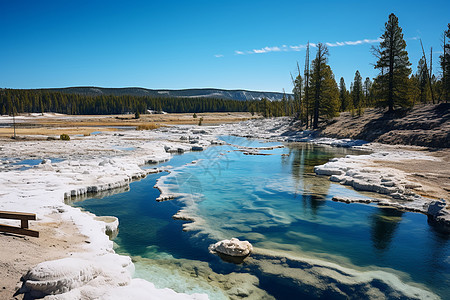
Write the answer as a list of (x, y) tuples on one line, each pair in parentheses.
[(277, 203)]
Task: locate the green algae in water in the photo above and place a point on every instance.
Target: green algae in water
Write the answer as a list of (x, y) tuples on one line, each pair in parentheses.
[(279, 205)]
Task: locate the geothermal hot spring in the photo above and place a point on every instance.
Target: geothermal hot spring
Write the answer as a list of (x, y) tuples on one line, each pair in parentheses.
[(306, 246)]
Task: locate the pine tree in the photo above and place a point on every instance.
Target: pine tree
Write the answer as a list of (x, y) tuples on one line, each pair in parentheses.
[(357, 93), (367, 88), (394, 66), (422, 82), (297, 91), (41, 108), (343, 95), (323, 86), (445, 65)]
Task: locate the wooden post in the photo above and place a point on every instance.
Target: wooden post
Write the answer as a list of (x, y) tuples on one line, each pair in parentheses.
[(24, 218), (14, 118)]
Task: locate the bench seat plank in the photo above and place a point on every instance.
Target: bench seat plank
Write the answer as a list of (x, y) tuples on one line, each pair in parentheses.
[(17, 230), (17, 215)]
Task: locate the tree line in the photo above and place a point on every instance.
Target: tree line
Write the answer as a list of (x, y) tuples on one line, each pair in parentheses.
[(40, 101), (318, 96)]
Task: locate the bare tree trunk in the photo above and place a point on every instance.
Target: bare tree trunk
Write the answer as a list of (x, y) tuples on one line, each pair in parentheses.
[(300, 108), (307, 84), (426, 73)]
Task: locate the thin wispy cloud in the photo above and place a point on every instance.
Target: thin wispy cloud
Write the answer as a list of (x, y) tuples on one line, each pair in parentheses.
[(353, 43), (286, 48), (218, 55)]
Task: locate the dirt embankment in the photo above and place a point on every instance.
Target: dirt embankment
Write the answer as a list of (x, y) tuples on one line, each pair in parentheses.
[(424, 125)]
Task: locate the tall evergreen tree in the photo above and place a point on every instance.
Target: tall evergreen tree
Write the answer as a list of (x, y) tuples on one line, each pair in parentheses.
[(394, 65), (357, 92), (445, 65), (367, 88), (324, 87), (297, 91), (343, 95), (421, 80)]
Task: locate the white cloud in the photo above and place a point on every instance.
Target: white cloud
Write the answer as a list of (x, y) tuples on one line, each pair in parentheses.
[(297, 48), (266, 50), (218, 55), (300, 47)]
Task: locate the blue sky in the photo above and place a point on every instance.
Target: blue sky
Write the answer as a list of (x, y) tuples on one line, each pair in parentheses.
[(250, 45)]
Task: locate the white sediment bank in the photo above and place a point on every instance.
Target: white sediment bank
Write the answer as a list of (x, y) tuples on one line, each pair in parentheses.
[(91, 164), (96, 163)]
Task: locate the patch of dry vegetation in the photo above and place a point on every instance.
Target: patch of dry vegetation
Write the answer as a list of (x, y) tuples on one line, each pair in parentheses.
[(147, 126)]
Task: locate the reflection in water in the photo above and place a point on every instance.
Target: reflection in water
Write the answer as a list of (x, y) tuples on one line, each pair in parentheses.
[(99, 195), (279, 205), (439, 272), (384, 223), (314, 189)]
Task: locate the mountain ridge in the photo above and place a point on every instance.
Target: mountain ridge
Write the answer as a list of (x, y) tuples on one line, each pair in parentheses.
[(237, 94)]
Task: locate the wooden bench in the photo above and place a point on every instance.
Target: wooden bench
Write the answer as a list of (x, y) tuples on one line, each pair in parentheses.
[(24, 218)]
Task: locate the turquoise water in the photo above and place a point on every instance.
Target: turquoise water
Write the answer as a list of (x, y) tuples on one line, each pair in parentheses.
[(277, 203)]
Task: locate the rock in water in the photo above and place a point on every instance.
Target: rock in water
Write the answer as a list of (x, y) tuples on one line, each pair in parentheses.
[(437, 212), (111, 225), (435, 208), (233, 247)]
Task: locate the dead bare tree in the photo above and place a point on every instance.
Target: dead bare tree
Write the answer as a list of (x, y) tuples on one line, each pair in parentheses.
[(427, 74), (306, 75)]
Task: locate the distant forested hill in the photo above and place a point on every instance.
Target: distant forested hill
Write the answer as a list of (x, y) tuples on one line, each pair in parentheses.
[(187, 93), (87, 101)]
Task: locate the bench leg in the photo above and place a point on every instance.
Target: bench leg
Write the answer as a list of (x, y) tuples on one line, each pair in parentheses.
[(24, 224)]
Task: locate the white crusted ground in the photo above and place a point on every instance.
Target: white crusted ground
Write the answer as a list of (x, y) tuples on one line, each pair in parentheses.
[(110, 160), (92, 164)]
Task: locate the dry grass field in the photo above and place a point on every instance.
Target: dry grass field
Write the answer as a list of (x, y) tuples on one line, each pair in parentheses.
[(56, 124)]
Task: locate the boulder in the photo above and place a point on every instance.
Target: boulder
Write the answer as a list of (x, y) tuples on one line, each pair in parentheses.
[(76, 275), (233, 247), (437, 213), (435, 208)]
